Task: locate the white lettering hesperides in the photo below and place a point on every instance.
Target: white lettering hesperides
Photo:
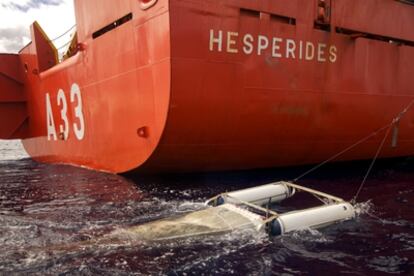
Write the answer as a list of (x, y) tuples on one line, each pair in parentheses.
[(332, 52), (321, 52), (216, 40), (278, 47), (231, 42), (310, 51), (290, 48), (262, 44), (248, 44)]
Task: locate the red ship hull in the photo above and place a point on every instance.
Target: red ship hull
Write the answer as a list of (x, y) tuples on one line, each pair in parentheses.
[(221, 85)]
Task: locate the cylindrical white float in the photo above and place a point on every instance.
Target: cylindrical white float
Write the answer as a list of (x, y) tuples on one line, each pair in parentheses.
[(260, 195), (311, 218)]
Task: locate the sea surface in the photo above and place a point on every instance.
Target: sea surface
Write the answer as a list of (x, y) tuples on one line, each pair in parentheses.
[(48, 211)]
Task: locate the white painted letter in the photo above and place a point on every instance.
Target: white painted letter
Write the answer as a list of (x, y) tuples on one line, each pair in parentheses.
[(51, 130), (332, 54), (262, 44), (276, 47), (321, 52), (79, 130), (248, 44), (61, 100), (301, 49), (218, 41), (310, 51), (231, 42), (290, 48)]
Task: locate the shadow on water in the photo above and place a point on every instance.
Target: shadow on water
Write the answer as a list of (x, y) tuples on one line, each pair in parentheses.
[(47, 209)]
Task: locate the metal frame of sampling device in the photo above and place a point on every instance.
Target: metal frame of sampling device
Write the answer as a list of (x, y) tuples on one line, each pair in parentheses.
[(332, 210)]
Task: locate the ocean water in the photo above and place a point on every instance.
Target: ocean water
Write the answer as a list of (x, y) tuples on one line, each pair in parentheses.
[(49, 212)]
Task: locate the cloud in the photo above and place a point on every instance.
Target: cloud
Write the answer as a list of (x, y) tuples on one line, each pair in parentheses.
[(32, 4), (13, 39), (53, 17)]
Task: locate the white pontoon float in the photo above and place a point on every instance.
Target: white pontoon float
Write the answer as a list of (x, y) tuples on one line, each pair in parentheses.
[(244, 209)]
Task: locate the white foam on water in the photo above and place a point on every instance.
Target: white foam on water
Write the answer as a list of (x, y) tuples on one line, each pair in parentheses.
[(309, 235), (363, 208), (12, 150), (189, 206)]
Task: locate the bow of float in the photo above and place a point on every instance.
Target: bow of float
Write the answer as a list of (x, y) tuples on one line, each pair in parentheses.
[(244, 209)]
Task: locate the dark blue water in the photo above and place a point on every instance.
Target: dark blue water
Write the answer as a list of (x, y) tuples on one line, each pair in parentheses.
[(46, 211)]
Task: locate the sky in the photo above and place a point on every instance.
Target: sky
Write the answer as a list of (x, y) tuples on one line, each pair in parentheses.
[(16, 16)]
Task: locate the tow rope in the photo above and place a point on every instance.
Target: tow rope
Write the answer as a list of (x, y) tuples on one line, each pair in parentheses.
[(386, 128)]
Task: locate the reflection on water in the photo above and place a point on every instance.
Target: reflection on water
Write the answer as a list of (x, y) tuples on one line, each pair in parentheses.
[(45, 210)]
